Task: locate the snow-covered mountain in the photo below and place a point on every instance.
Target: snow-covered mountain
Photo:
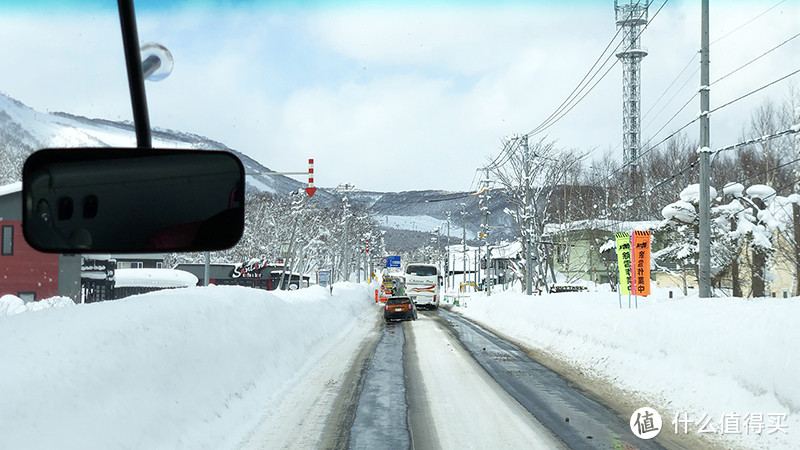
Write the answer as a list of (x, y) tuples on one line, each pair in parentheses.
[(409, 216), (24, 130), (418, 213)]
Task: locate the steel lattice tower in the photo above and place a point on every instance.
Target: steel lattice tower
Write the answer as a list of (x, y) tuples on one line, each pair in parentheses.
[(631, 17)]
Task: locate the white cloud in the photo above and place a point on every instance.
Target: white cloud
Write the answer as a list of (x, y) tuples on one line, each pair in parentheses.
[(394, 97)]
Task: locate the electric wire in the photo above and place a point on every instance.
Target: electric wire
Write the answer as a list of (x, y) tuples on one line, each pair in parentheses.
[(746, 23), (757, 140), (642, 154), (696, 70), (752, 92), (576, 91), (755, 59), (544, 126), (714, 82), (689, 63), (696, 161), (560, 114)]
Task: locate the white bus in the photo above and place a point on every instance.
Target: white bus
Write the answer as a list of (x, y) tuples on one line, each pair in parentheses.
[(422, 285)]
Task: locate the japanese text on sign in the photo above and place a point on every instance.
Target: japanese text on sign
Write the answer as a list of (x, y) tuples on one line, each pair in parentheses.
[(641, 263), (624, 261)]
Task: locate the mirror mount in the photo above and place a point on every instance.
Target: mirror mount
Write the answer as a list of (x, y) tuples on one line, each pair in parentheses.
[(133, 62)]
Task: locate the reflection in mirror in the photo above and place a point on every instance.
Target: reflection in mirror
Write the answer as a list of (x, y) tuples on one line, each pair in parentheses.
[(132, 200)]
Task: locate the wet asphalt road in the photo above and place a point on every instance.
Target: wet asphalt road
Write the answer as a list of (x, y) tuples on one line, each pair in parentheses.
[(578, 421), (383, 414)]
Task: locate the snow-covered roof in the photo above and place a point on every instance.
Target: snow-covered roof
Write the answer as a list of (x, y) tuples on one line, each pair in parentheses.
[(11, 188), (125, 256), (601, 224), (164, 278), (508, 251)]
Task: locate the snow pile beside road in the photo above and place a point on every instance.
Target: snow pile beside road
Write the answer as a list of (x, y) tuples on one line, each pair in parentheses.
[(11, 304), (187, 368), (723, 356)]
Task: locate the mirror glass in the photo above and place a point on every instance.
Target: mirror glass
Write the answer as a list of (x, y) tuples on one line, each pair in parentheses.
[(124, 200)]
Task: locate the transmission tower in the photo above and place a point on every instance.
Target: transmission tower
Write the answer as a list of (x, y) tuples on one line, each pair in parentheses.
[(631, 17)]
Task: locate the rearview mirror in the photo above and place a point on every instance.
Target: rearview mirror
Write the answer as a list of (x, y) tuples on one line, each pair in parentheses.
[(124, 200)]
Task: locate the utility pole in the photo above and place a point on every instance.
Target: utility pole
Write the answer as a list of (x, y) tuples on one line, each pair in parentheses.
[(704, 251), (450, 267), (464, 240), (487, 197), (526, 220)]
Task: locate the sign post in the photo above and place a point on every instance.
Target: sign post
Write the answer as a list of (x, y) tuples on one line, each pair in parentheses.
[(641, 264), (311, 189), (624, 264), (323, 277), (393, 262)]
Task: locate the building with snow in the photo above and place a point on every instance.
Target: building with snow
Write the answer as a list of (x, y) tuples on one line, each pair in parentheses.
[(25, 272), (258, 274)]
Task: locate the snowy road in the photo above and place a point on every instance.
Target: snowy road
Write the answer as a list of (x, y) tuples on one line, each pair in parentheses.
[(438, 382), (457, 404)]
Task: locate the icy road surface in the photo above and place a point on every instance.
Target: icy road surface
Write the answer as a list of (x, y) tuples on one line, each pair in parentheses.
[(437, 382), (455, 403)]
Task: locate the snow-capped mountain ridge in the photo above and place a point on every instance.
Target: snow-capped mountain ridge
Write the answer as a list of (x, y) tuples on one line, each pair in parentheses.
[(23, 130)]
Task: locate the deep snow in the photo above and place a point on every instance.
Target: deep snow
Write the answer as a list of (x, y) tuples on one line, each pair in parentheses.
[(183, 368), (195, 367), (724, 357)]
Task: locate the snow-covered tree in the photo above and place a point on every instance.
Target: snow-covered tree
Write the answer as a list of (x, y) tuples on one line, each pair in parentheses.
[(529, 178), (319, 237), (743, 222)]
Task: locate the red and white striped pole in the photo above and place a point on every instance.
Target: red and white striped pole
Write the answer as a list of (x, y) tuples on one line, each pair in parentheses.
[(311, 189)]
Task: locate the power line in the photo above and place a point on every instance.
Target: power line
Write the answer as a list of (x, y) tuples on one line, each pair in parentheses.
[(545, 125), (756, 59), (695, 94), (774, 169), (753, 91), (747, 23), (642, 154), (670, 85), (575, 91), (757, 140), (694, 163)]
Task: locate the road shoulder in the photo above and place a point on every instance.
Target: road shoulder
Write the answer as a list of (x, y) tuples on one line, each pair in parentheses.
[(317, 411), (621, 402)]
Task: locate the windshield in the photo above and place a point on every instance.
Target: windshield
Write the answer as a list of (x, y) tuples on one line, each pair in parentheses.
[(421, 271), (596, 205), (398, 301)]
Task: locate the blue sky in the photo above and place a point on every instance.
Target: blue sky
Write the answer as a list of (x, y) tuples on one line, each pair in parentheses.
[(387, 95)]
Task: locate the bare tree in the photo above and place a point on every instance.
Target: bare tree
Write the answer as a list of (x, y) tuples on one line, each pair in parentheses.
[(529, 178)]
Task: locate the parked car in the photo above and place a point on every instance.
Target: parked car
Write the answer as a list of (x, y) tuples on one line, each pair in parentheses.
[(399, 308)]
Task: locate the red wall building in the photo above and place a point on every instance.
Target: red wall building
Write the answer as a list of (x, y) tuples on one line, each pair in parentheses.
[(26, 273)]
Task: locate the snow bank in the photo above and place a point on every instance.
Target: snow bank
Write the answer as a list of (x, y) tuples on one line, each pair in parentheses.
[(179, 368), (715, 356), (11, 304)]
